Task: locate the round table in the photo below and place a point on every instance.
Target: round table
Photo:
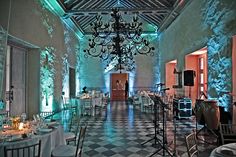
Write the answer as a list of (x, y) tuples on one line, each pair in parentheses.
[(49, 140), (227, 150)]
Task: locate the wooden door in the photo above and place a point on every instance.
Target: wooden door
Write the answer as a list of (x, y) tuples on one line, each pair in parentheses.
[(117, 84), (17, 73)]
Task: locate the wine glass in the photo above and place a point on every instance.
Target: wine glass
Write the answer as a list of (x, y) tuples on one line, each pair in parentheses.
[(23, 117)]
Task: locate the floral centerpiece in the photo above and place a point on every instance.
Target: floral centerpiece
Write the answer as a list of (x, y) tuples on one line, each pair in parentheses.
[(15, 122)]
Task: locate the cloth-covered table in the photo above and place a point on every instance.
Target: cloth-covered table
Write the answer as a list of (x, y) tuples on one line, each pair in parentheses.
[(49, 140), (227, 150)]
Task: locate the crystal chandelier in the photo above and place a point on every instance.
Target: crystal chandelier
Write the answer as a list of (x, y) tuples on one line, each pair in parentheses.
[(118, 40)]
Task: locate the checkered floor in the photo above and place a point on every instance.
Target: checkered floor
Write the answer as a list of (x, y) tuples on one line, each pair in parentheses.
[(121, 129)]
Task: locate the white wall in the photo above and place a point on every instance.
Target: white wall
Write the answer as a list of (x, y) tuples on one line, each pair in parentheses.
[(32, 23)]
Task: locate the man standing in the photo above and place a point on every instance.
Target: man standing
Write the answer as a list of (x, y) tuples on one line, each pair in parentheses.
[(126, 89)]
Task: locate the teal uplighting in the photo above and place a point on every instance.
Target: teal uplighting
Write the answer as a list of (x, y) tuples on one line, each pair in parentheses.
[(131, 116), (219, 60), (157, 64), (2, 105), (54, 7), (77, 82), (131, 82), (77, 52), (48, 23), (47, 72), (65, 76), (107, 82)]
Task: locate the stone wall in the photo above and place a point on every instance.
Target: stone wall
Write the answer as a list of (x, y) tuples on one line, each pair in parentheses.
[(203, 23)]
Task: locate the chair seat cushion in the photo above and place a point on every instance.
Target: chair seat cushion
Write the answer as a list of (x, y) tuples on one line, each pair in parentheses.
[(64, 151), (69, 135)]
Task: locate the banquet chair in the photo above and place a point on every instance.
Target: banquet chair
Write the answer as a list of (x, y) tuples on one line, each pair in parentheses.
[(98, 104), (137, 100), (87, 107), (29, 150), (228, 133), (105, 98), (191, 144), (68, 150), (71, 135), (46, 115), (147, 103)]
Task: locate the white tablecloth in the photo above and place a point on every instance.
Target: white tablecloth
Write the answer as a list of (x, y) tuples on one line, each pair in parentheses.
[(227, 150), (48, 141)]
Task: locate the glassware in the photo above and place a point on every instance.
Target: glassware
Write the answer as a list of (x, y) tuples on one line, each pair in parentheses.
[(1, 122), (23, 117)]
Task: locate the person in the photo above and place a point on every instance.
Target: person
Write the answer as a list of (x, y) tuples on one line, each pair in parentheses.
[(126, 88), (119, 85), (84, 89)]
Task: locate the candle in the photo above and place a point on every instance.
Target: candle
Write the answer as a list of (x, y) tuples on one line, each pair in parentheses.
[(21, 126), (5, 126)]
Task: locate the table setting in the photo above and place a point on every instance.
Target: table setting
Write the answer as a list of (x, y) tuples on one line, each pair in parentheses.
[(17, 131)]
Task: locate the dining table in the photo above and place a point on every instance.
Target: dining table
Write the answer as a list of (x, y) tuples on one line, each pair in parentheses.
[(226, 150), (50, 137)]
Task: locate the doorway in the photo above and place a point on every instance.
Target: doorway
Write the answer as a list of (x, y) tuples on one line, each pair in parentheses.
[(170, 79), (117, 84), (15, 80), (72, 84), (197, 61)]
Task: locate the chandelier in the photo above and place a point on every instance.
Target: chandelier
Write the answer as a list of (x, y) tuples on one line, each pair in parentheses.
[(118, 40)]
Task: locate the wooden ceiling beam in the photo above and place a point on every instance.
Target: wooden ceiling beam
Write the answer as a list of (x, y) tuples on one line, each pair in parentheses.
[(86, 12)]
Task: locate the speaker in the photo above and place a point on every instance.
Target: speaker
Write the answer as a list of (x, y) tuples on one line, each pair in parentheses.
[(189, 77)]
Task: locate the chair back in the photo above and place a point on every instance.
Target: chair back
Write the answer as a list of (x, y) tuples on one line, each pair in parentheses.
[(191, 143), (228, 132), (74, 124), (32, 150), (145, 100), (80, 141), (87, 103)]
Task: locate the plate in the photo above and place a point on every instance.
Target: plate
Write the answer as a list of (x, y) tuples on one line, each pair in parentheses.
[(44, 130), (14, 138), (226, 152)]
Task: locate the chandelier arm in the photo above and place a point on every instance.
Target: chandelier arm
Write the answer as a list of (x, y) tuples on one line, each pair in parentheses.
[(117, 41)]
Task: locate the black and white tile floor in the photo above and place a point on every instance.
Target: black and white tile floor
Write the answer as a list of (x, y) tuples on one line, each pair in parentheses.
[(121, 129)]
